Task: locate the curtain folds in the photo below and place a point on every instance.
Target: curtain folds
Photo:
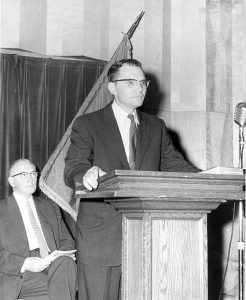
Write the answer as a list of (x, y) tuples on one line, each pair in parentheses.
[(39, 98)]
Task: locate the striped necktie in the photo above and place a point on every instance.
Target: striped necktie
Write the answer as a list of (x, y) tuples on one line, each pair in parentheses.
[(44, 250), (132, 142)]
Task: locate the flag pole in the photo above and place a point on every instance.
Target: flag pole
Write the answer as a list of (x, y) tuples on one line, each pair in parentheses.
[(131, 31), (134, 26)]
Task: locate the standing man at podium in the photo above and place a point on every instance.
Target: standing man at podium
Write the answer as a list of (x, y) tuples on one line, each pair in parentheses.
[(116, 137)]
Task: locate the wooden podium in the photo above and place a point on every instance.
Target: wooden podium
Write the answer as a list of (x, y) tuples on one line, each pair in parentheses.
[(164, 249)]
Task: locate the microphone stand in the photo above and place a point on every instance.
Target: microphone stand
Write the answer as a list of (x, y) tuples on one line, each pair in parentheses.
[(241, 207)]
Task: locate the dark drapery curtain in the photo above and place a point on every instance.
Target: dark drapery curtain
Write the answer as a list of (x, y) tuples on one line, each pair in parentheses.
[(39, 98)]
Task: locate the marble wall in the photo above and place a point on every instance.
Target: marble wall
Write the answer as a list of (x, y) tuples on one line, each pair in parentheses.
[(193, 51)]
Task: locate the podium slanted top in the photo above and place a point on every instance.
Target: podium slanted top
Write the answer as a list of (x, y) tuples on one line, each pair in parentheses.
[(172, 185)]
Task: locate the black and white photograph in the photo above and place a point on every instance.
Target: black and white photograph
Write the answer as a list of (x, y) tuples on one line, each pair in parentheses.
[(122, 160)]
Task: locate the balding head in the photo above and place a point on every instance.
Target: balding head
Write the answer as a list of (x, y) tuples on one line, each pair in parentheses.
[(23, 177), (18, 164)]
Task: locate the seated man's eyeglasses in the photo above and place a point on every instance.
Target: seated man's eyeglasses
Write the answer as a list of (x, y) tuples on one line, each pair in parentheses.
[(132, 83), (25, 174)]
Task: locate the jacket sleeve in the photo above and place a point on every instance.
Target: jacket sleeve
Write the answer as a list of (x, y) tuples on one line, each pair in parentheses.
[(79, 156), (10, 262)]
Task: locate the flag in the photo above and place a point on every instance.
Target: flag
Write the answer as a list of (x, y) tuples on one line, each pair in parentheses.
[(51, 180)]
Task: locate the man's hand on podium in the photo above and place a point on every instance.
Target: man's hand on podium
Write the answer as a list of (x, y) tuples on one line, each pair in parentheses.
[(90, 179)]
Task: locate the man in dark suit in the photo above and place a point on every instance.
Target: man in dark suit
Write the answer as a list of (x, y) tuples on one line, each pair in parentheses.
[(26, 269), (103, 141)]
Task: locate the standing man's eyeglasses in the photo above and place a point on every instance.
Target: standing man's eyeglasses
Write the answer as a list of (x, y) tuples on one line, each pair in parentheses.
[(132, 83), (25, 174)]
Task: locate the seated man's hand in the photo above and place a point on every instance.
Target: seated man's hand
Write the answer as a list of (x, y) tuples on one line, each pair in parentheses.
[(35, 264), (73, 257), (90, 179)]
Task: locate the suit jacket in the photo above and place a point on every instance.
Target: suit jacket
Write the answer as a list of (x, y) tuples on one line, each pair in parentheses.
[(14, 247), (96, 141)]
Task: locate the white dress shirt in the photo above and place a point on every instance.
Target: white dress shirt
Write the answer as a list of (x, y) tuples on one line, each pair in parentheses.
[(22, 204), (124, 124)]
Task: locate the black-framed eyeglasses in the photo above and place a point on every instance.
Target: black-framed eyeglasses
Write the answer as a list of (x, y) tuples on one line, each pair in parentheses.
[(132, 83), (25, 174)]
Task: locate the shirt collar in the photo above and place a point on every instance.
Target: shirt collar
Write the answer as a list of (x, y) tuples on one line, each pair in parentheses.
[(121, 114), (21, 199)]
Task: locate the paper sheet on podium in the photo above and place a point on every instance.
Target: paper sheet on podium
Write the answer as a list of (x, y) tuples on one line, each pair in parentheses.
[(225, 170)]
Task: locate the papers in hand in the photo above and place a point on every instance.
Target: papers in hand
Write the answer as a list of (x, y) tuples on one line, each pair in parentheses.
[(57, 253)]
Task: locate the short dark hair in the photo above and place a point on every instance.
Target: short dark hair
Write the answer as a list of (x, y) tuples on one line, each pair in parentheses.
[(114, 69)]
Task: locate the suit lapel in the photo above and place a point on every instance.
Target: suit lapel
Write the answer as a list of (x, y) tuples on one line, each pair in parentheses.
[(143, 138), (113, 138), (45, 223), (18, 228)]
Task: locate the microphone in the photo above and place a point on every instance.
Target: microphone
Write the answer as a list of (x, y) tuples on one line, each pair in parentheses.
[(240, 114), (240, 119)]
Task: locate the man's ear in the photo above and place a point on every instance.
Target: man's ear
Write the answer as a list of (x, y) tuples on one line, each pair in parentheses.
[(11, 181), (111, 88)]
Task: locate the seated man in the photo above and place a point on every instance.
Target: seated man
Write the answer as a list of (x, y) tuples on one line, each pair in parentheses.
[(30, 229)]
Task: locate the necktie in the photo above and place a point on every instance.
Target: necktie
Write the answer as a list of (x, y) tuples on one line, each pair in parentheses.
[(132, 142), (44, 250)]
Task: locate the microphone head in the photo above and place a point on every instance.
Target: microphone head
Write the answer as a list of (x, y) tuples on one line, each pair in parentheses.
[(240, 114)]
